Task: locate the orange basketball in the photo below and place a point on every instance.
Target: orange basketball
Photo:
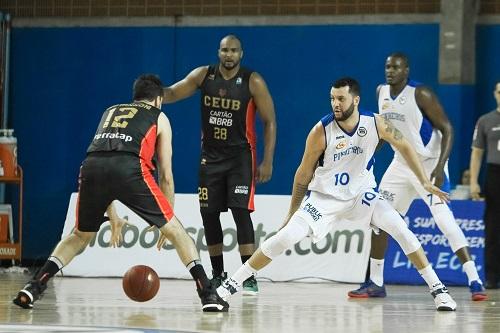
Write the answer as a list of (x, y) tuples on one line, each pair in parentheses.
[(141, 283)]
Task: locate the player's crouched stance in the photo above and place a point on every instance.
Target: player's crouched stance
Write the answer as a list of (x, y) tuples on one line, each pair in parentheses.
[(336, 172)]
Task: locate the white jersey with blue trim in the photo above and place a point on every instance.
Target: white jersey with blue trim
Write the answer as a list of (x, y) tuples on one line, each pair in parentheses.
[(406, 116), (346, 167)]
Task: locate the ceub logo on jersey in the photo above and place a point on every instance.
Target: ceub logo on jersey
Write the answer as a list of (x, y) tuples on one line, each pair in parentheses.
[(362, 131), (238, 81)]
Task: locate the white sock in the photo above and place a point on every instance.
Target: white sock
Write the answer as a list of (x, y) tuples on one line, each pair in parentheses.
[(234, 283), (243, 273), (377, 271), (471, 271), (430, 277)]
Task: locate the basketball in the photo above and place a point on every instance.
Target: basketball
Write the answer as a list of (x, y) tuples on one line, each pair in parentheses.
[(140, 283)]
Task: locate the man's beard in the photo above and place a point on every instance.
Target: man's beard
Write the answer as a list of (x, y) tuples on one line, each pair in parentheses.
[(347, 113)]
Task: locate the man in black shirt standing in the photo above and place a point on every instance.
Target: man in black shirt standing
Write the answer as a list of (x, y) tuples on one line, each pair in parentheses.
[(119, 166), (487, 137), (231, 95)]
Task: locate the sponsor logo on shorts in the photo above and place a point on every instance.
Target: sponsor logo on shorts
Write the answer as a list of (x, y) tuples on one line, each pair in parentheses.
[(389, 196), (313, 211), (241, 189)]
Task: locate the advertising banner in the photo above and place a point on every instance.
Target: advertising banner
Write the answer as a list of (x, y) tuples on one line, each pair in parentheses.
[(469, 216), (341, 256)]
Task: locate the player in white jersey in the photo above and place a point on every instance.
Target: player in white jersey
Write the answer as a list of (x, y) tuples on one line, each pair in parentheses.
[(416, 112), (335, 182)]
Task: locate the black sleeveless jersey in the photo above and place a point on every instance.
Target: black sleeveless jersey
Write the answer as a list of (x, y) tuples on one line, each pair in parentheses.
[(130, 128), (227, 110)]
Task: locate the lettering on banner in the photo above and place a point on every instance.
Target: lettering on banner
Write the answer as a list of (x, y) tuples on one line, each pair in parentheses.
[(352, 240)]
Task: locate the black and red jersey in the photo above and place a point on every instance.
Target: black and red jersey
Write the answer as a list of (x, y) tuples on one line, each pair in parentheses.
[(130, 128), (227, 109)]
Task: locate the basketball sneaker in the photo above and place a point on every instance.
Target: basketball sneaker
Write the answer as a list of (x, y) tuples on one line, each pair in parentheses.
[(211, 301), (477, 290), (250, 287), (229, 287), (368, 289), (218, 279), (31, 292), (442, 298)]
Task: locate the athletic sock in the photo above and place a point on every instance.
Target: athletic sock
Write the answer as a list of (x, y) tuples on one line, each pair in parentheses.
[(49, 269), (217, 265), (243, 273), (377, 271), (198, 273), (430, 277), (471, 271)]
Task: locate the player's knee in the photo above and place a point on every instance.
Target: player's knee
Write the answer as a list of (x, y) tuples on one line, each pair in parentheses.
[(275, 246)]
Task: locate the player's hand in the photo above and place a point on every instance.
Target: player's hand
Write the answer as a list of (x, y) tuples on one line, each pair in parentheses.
[(161, 240), (264, 172), (117, 224), (475, 189), (437, 176), (444, 196)]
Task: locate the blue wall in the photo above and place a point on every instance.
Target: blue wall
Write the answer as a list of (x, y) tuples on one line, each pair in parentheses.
[(62, 79)]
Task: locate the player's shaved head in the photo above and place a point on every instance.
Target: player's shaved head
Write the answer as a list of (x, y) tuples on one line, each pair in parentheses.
[(399, 55)]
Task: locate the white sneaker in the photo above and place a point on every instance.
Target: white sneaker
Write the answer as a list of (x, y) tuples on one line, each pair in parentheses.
[(228, 288), (442, 299)]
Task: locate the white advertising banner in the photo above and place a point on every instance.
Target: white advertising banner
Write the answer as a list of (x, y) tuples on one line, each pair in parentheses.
[(341, 256)]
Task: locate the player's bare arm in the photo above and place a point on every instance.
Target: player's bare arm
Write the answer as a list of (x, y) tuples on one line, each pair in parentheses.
[(428, 102), (315, 146), (392, 135), (164, 152), (265, 109), (185, 87), (476, 158)]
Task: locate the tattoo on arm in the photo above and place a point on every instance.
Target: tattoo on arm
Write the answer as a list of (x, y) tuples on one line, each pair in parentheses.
[(299, 191), (389, 128)]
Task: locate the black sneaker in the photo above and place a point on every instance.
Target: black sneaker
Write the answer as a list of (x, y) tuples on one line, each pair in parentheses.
[(211, 301), (218, 279), (31, 292)]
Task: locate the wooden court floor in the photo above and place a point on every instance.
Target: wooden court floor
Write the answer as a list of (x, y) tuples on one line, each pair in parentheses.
[(99, 305)]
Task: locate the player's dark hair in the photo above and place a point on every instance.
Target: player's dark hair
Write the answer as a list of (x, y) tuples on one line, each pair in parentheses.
[(354, 88), (148, 87), (402, 56)]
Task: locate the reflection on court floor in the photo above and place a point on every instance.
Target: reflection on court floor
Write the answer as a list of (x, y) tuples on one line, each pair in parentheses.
[(99, 305)]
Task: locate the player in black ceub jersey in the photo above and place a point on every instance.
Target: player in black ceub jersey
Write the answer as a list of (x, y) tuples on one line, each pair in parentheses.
[(231, 96)]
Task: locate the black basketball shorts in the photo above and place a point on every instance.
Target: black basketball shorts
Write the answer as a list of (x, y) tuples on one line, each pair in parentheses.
[(226, 180), (109, 176)]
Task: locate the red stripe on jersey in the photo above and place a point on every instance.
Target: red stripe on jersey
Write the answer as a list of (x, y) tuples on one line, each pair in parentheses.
[(251, 205), (147, 176), (148, 145), (250, 124)]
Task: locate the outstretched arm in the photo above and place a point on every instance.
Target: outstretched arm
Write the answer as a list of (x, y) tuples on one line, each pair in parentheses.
[(185, 87), (315, 146), (392, 135), (265, 108), (428, 102)]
